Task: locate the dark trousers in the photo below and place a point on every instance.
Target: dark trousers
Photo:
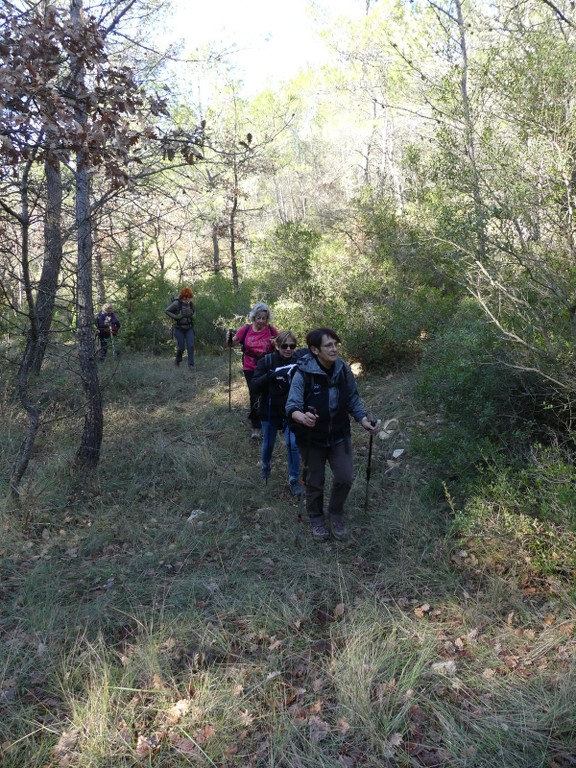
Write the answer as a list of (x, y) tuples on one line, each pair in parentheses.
[(339, 457), (104, 337), (253, 415)]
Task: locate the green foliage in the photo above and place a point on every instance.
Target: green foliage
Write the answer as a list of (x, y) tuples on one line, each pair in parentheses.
[(219, 307), (139, 297), (287, 261), (390, 332), (462, 372), (293, 272), (542, 487), (462, 376), (523, 519)]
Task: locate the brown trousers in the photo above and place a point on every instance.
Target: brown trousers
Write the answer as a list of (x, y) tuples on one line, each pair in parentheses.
[(339, 457)]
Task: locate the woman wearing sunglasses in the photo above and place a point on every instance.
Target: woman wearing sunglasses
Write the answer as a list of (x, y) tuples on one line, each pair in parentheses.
[(271, 383), (322, 397)]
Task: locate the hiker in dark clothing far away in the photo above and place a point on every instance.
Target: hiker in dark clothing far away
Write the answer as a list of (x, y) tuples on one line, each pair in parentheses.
[(322, 397), (182, 311), (271, 384), (108, 325), (256, 340)]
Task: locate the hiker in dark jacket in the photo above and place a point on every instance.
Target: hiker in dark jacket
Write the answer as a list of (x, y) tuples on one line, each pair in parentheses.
[(182, 312), (322, 397), (108, 325), (256, 338), (271, 383)]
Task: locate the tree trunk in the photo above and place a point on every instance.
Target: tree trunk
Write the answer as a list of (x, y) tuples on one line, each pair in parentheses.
[(88, 453), (48, 284), (233, 262), (469, 133), (25, 451), (216, 248)]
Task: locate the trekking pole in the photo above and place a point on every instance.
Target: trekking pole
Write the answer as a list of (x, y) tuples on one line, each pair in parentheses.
[(230, 337), (112, 342), (373, 422), (266, 452)]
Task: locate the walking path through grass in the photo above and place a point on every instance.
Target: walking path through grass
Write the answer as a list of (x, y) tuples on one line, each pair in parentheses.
[(171, 610)]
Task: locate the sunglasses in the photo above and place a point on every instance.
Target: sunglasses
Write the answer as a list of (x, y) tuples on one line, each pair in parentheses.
[(287, 346)]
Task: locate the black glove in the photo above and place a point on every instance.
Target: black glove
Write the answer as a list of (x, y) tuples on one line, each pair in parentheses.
[(229, 337)]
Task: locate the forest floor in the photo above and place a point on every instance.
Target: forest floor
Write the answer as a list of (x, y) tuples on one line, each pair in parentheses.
[(172, 610)]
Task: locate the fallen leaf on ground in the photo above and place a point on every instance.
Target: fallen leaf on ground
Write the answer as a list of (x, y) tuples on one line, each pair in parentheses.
[(444, 668), (318, 729)]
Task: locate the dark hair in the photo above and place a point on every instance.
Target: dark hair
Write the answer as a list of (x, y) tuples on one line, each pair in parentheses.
[(314, 338)]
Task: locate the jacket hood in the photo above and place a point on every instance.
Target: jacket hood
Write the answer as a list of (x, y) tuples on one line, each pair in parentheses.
[(309, 364)]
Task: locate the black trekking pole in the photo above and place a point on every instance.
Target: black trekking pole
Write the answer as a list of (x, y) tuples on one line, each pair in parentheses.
[(373, 422), (230, 337), (267, 454)]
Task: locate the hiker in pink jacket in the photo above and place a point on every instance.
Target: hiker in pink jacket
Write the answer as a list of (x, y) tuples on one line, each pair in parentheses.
[(256, 338)]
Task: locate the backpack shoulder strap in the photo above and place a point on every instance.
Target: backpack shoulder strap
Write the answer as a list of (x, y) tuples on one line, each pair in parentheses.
[(242, 338)]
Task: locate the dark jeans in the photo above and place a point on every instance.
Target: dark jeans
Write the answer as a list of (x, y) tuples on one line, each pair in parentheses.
[(253, 415), (339, 457), (185, 338)]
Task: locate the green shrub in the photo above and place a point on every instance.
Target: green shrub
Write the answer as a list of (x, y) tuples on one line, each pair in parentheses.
[(390, 332), (542, 487), (219, 307), (484, 408), (523, 519), (462, 374)]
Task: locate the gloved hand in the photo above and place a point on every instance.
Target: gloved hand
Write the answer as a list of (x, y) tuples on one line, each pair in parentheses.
[(229, 337)]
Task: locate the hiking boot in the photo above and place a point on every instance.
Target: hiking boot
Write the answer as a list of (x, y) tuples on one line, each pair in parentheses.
[(339, 530), (295, 488), (256, 434), (178, 358), (320, 532)]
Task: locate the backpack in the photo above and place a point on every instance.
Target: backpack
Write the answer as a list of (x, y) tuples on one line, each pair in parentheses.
[(180, 305)]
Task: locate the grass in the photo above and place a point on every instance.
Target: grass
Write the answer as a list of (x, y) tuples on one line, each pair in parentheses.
[(131, 634)]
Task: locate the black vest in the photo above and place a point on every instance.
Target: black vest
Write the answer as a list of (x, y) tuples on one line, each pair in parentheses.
[(328, 430)]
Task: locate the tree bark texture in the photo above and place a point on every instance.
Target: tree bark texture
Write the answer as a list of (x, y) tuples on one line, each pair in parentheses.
[(48, 285), (88, 453)]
